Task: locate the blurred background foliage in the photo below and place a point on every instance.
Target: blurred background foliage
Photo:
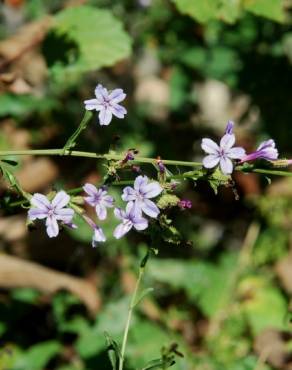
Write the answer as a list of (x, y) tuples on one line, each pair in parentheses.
[(222, 279)]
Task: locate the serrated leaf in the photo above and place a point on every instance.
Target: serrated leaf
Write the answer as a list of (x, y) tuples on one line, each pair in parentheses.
[(99, 37), (272, 9)]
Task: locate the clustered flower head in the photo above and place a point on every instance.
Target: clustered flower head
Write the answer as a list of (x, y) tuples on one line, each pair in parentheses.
[(107, 104)]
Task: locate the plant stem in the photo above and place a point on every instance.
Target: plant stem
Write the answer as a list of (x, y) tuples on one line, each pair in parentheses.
[(110, 156), (131, 308), (137, 160)]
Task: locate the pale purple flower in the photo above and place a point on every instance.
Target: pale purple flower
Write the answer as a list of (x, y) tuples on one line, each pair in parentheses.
[(53, 211), (141, 194), (99, 199), (131, 217), (229, 128), (221, 154), (106, 103), (266, 150), (98, 235)]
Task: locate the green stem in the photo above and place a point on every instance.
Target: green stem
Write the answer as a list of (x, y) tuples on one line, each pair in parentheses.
[(131, 308), (110, 156)]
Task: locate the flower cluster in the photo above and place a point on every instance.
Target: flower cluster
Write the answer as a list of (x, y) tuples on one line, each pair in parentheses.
[(225, 153), (59, 209), (137, 198)]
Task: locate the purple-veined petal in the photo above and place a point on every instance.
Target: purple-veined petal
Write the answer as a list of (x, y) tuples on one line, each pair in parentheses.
[(229, 128), (134, 210), (211, 161), (91, 104), (236, 153), (152, 189), (98, 236), (101, 211), (101, 93), (140, 223), (40, 201), (108, 201), (90, 189), (36, 213), (226, 166), (150, 208), (122, 229), (118, 111), (117, 95), (90, 200), (105, 116), (209, 146), (119, 213), (52, 227), (227, 141), (266, 144), (129, 194), (64, 214), (140, 181), (60, 200)]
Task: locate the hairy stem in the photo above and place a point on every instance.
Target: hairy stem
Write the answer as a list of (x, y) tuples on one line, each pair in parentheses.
[(133, 303), (137, 160)]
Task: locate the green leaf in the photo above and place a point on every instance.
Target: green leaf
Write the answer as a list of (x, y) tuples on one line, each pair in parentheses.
[(98, 35), (159, 364), (263, 304), (37, 357), (201, 10), (113, 350), (272, 9), (205, 283)]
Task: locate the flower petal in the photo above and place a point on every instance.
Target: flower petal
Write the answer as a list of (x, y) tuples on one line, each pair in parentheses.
[(129, 194), (236, 153), (229, 127), (118, 111), (226, 166), (211, 161), (40, 201), (52, 227), (209, 146), (101, 93), (64, 214), (108, 201), (152, 189), (91, 104), (119, 213), (36, 213), (140, 181), (90, 189), (98, 236), (60, 200), (122, 229), (117, 95), (101, 211), (105, 116), (227, 141), (150, 208), (140, 223)]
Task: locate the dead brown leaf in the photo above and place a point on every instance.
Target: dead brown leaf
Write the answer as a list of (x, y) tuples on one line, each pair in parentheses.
[(18, 273)]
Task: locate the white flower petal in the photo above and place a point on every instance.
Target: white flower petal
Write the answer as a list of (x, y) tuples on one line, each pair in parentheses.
[(227, 141), (52, 227), (60, 200), (40, 201), (211, 161), (226, 166), (209, 146), (105, 116)]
